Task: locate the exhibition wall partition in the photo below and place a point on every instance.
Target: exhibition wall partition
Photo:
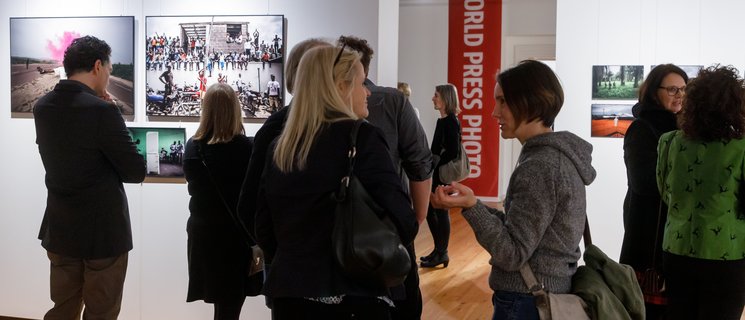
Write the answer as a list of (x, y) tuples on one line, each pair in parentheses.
[(157, 275), (605, 35)]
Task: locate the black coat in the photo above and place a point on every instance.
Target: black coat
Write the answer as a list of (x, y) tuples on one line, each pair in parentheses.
[(218, 253), (445, 144), (295, 213), (269, 131), (87, 154), (641, 207)]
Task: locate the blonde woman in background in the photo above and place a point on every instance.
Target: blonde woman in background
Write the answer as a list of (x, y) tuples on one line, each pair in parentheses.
[(216, 160)]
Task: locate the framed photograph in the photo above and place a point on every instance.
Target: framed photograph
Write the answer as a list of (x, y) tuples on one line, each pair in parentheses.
[(611, 120), (37, 48), (184, 55), (163, 149), (690, 70), (616, 82)]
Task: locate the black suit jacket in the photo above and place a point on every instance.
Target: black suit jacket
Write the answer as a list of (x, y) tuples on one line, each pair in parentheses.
[(87, 154)]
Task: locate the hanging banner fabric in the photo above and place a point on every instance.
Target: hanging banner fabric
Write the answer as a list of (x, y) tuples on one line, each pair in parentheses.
[(474, 57)]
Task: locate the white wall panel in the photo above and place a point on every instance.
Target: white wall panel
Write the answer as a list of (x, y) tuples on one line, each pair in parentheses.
[(640, 32)]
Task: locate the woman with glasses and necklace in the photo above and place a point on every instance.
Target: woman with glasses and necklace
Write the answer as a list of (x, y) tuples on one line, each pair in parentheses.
[(644, 216), (305, 165)]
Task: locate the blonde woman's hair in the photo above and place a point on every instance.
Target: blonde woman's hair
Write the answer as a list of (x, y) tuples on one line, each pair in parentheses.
[(404, 88), (317, 101), (449, 95), (221, 115)]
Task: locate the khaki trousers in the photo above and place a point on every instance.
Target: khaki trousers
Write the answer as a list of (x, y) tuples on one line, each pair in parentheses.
[(95, 283)]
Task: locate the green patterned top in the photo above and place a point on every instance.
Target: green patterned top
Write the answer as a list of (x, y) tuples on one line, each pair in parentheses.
[(700, 182)]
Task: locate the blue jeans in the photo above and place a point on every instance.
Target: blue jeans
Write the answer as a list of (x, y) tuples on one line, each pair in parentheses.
[(514, 306)]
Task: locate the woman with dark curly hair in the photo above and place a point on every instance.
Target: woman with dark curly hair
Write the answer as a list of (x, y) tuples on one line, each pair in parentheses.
[(700, 174), (660, 98)]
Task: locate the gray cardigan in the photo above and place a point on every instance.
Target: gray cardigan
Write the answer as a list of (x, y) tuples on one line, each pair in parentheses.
[(544, 214)]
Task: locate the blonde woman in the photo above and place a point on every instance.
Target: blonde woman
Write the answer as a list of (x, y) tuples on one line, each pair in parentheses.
[(295, 211), (216, 160)]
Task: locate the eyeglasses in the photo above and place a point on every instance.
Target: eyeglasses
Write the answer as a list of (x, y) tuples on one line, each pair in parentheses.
[(673, 90), (338, 56)]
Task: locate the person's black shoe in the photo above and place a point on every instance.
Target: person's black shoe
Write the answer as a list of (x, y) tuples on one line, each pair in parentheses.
[(429, 256), (436, 260)]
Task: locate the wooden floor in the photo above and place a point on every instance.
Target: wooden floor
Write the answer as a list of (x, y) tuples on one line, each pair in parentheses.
[(460, 291)]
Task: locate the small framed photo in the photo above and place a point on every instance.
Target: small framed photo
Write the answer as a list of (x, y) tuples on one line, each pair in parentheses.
[(611, 120), (163, 149)]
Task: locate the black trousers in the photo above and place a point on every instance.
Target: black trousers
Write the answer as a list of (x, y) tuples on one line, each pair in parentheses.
[(704, 289), (229, 310), (363, 308), (438, 221)]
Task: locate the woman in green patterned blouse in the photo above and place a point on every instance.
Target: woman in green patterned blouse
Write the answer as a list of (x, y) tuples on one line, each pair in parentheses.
[(700, 173)]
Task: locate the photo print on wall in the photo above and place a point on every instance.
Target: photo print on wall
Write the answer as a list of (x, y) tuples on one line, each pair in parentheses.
[(37, 48), (690, 70), (616, 82), (187, 54), (611, 120), (163, 149)]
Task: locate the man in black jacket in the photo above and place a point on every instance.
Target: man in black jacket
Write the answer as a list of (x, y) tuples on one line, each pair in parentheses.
[(87, 154), (391, 111)]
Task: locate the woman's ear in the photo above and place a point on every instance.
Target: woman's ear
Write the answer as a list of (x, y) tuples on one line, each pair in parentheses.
[(342, 86)]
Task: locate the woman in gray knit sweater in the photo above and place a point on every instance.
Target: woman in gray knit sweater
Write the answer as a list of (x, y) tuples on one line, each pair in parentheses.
[(545, 204)]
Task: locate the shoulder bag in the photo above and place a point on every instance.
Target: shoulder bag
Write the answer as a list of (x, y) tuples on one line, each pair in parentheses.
[(604, 289), (553, 306), (366, 247), (456, 169), (256, 264)]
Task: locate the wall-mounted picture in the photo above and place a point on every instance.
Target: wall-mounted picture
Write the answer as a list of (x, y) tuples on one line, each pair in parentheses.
[(184, 55), (37, 48), (690, 70), (163, 149), (616, 82), (611, 120)]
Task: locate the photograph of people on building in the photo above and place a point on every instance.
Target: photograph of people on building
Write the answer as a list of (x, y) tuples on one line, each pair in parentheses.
[(244, 52)]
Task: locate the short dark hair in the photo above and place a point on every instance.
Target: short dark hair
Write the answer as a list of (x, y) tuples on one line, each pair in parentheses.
[(532, 91), (361, 46), (713, 106), (82, 54), (648, 90)]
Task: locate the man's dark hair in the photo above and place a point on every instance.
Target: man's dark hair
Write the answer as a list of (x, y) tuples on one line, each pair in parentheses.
[(82, 54), (361, 46)]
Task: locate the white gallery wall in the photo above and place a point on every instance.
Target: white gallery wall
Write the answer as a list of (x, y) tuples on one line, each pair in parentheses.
[(633, 32), (157, 275), (586, 33)]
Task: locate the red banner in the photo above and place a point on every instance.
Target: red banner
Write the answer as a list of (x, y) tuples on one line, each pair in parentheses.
[(474, 57)]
